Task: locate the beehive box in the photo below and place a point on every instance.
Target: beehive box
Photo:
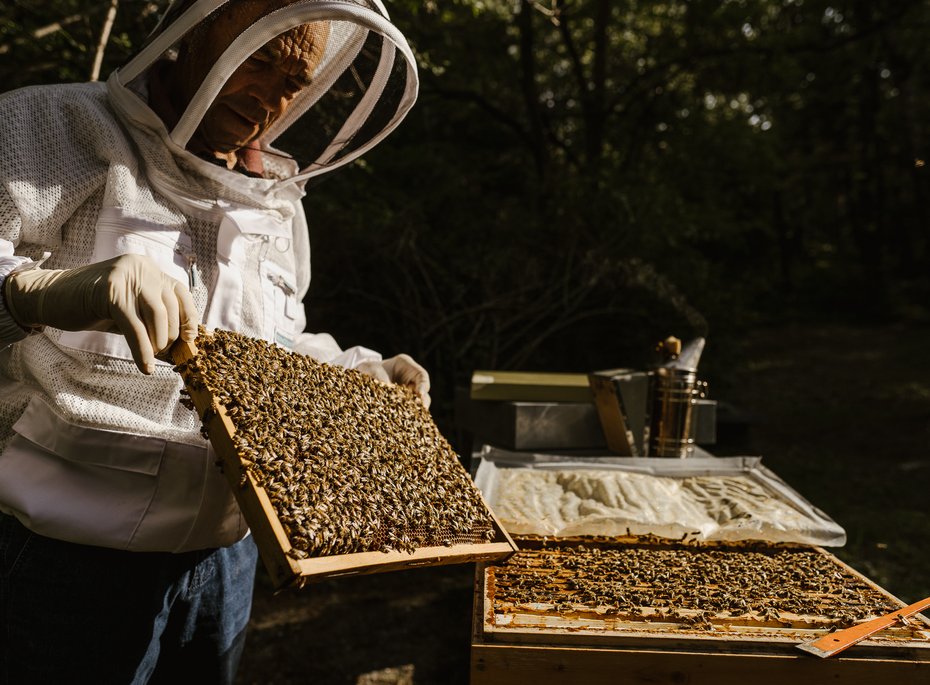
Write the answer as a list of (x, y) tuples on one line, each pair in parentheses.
[(645, 609), (335, 473)]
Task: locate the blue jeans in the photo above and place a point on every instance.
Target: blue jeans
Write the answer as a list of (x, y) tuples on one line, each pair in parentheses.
[(78, 614)]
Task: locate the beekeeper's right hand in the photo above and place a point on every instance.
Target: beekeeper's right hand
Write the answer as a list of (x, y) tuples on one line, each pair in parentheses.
[(128, 294)]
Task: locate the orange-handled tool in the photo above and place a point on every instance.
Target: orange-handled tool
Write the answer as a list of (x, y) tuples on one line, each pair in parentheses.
[(833, 643)]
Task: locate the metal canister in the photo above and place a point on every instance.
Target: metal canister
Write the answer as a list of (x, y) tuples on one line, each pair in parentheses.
[(672, 429)]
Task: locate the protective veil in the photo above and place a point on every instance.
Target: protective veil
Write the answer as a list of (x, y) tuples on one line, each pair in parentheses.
[(93, 451)]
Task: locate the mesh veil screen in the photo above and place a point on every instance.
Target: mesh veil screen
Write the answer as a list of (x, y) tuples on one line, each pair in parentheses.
[(323, 126)]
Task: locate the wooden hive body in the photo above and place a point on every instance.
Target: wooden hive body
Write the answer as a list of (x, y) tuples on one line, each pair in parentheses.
[(575, 641)]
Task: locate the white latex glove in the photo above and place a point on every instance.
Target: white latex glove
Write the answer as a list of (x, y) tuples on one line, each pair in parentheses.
[(128, 294), (401, 370)]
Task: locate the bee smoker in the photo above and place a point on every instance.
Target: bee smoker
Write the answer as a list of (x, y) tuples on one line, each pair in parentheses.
[(674, 391)]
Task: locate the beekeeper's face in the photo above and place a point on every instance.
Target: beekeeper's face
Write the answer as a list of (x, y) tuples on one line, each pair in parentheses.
[(260, 90)]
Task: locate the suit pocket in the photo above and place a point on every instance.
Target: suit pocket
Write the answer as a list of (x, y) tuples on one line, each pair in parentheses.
[(79, 484), (117, 234)]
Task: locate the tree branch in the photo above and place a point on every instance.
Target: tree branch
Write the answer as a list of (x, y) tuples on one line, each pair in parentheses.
[(104, 38), (43, 31), (483, 103)]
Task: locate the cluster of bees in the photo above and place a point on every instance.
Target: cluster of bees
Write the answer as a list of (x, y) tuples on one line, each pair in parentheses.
[(349, 463), (687, 584)]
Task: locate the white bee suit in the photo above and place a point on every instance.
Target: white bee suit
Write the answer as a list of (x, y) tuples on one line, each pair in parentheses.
[(93, 451)]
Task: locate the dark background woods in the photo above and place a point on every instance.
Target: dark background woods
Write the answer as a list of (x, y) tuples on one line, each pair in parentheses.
[(581, 178)]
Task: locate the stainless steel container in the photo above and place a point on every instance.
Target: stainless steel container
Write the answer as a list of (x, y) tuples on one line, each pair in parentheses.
[(673, 424)]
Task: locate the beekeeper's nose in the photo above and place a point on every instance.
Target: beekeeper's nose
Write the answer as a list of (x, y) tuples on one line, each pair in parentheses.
[(274, 93)]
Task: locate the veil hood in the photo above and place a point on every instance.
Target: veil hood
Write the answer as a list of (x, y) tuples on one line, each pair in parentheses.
[(363, 85)]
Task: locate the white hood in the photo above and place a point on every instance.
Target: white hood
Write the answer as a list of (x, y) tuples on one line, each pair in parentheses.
[(362, 88)]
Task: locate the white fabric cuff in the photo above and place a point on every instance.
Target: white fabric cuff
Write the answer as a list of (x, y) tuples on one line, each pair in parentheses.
[(10, 331), (354, 356), (324, 348)]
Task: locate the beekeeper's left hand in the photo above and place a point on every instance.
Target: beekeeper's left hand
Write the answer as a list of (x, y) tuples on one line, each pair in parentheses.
[(401, 370)]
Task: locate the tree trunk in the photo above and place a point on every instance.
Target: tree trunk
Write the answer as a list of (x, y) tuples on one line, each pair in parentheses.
[(597, 112), (531, 95)]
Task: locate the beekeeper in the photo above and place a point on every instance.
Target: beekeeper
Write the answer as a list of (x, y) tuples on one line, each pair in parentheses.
[(131, 212)]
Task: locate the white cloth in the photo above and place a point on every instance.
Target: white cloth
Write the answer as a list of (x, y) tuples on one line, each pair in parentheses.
[(10, 331)]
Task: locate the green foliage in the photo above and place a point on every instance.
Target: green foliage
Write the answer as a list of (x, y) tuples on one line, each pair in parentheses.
[(55, 41), (583, 177)]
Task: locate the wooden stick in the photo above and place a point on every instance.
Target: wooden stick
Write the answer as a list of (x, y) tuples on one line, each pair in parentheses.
[(833, 643), (104, 39)]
